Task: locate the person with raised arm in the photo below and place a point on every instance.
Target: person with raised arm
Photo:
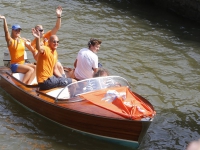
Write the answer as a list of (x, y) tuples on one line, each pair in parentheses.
[(47, 57), (58, 68), (16, 46)]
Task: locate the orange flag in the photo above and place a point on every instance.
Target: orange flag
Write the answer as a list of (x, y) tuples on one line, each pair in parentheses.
[(121, 101)]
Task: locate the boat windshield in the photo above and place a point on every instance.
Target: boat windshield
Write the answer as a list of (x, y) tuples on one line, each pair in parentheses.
[(89, 85)]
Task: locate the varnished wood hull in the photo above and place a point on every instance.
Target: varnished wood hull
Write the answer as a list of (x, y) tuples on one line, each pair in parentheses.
[(82, 116)]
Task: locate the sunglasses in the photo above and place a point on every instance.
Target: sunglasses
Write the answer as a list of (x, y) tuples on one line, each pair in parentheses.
[(54, 41), (17, 30), (41, 30)]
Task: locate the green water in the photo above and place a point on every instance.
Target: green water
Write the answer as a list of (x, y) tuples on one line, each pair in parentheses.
[(156, 51)]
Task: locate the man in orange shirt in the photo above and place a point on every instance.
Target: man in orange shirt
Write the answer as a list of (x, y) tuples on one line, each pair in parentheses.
[(58, 68), (47, 57)]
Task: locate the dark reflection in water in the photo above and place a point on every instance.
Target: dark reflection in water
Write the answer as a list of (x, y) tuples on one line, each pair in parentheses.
[(157, 51)]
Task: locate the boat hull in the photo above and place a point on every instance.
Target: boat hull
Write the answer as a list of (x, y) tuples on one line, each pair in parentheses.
[(82, 116)]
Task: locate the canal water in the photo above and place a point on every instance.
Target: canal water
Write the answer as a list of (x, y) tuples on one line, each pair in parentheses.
[(157, 51)]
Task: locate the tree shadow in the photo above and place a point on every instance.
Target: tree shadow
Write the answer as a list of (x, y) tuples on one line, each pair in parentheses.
[(159, 17)]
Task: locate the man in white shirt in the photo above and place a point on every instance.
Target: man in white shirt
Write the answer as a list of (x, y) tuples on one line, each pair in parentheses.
[(86, 63)]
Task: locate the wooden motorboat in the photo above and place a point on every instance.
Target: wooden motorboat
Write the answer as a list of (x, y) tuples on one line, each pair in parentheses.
[(73, 107)]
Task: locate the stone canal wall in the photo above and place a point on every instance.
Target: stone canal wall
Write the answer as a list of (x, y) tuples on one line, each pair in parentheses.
[(187, 8)]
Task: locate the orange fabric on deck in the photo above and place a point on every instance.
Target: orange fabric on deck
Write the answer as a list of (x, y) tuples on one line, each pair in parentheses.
[(132, 107)]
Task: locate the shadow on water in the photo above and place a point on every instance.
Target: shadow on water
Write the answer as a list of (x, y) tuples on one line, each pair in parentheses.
[(183, 28)]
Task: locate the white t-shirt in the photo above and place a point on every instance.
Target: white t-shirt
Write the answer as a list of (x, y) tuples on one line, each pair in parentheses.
[(86, 60)]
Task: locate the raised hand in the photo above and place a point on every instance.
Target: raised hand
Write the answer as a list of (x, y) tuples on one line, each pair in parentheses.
[(59, 11), (36, 33), (2, 17)]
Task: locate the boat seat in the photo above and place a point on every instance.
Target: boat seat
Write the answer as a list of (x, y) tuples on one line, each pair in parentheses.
[(20, 76), (54, 93)]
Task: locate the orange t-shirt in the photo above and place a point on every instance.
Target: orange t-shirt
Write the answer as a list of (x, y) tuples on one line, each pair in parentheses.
[(45, 64), (16, 49), (45, 39)]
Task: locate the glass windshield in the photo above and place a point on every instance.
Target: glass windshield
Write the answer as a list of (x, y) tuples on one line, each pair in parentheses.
[(92, 84)]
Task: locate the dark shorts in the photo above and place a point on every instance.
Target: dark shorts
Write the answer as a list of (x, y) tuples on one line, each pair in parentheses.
[(54, 82), (13, 68)]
